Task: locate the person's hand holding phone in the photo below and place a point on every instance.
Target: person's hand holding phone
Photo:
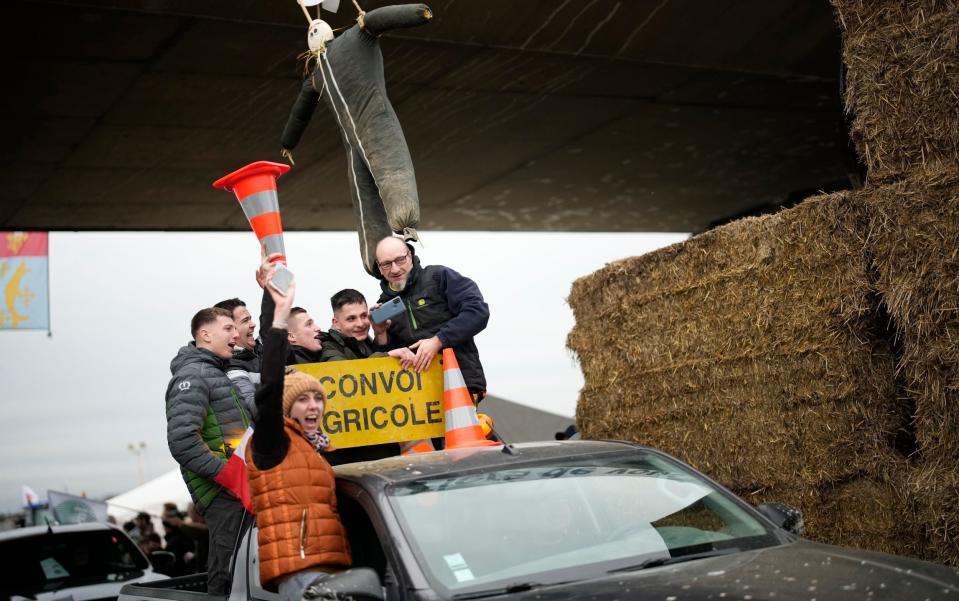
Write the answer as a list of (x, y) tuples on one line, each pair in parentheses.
[(283, 302), (381, 313), (380, 329), (267, 268)]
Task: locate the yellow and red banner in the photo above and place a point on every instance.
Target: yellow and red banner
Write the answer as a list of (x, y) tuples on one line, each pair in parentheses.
[(24, 281)]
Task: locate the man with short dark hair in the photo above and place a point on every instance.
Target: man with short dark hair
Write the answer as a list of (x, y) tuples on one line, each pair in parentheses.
[(205, 419), (244, 367), (349, 337), (304, 336), (443, 310)]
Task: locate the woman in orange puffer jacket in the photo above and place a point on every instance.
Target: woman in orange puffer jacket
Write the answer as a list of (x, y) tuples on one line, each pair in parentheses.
[(301, 536)]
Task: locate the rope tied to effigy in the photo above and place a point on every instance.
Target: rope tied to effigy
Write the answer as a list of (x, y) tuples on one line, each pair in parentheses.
[(360, 14)]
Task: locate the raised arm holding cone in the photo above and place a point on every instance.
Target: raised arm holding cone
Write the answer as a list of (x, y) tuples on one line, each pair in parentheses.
[(301, 536)]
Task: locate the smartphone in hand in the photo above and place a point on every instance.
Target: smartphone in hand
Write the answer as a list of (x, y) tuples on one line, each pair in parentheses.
[(387, 310), (281, 279)]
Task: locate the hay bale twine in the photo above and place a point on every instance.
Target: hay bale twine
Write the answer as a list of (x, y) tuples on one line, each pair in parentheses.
[(913, 245), (902, 84), (748, 351)]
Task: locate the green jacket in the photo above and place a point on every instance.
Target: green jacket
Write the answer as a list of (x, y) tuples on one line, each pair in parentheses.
[(340, 347), (205, 419)]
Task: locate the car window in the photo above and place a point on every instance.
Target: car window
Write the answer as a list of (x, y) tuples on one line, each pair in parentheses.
[(522, 524), (58, 560)]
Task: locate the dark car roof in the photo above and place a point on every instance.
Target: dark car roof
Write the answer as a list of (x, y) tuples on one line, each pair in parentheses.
[(56, 529), (383, 472)]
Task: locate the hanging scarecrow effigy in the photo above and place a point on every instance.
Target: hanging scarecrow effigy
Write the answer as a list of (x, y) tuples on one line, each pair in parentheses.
[(349, 76)]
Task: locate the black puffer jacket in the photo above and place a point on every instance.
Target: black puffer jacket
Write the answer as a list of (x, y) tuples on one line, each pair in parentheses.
[(299, 355), (440, 302), (296, 355), (247, 360), (244, 371), (205, 418)]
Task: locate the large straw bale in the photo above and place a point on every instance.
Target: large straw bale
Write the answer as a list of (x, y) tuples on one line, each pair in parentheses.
[(868, 512), (913, 242), (933, 495), (902, 84), (865, 511), (749, 351)]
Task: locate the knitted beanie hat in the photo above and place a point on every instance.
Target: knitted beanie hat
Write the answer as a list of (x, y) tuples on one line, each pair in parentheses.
[(296, 383)]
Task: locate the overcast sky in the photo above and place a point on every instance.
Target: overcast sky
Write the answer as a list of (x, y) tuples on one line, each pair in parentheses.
[(121, 304)]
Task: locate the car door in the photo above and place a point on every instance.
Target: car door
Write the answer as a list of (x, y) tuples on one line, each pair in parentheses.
[(375, 540)]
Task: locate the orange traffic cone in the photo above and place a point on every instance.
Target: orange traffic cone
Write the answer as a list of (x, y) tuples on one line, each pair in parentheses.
[(415, 447), (463, 429), (255, 189)]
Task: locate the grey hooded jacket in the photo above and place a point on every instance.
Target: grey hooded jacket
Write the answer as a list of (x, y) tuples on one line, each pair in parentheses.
[(205, 419)]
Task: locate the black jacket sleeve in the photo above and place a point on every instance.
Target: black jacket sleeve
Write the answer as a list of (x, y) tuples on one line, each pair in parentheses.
[(267, 309), (399, 16), (270, 441), (300, 115), (470, 311)]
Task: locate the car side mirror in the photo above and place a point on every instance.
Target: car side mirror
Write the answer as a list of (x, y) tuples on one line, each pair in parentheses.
[(362, 584), (163, 561), (788, 518)]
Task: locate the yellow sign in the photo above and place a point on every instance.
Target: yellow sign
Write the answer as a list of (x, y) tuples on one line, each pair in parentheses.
[(373, 401)]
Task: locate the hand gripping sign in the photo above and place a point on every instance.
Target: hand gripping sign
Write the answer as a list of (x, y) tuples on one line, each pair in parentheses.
[(374, 401), (349, 76)]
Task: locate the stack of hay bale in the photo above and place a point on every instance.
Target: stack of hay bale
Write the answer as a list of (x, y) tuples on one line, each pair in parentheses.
[(752, 352), (902, 58), (812, 356)]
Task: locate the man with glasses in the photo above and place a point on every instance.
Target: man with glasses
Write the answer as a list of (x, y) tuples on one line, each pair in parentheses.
[(443, 310)]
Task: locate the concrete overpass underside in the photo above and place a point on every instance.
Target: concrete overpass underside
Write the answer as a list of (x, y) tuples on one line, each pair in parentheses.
[(573, 115)]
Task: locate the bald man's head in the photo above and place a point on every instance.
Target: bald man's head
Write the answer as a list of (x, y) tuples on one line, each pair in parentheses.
[(394, 260)]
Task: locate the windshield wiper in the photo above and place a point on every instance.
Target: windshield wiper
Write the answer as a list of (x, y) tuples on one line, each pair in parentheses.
[(516, 587), (655, 562)]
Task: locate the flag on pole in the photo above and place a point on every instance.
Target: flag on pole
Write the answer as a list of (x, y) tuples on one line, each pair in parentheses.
[(30, 498), (24, 282), (233, 475)]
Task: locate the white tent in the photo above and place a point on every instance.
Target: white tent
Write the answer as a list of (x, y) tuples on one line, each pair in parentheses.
[(150, 497)]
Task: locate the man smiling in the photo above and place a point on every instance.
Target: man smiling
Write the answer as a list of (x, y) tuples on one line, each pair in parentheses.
[(204, 414), (304, 337), (244, 368), (349, 337), (443, 310)]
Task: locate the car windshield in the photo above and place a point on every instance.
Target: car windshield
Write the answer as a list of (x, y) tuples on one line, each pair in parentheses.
[(58, 560), (567, 519)]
